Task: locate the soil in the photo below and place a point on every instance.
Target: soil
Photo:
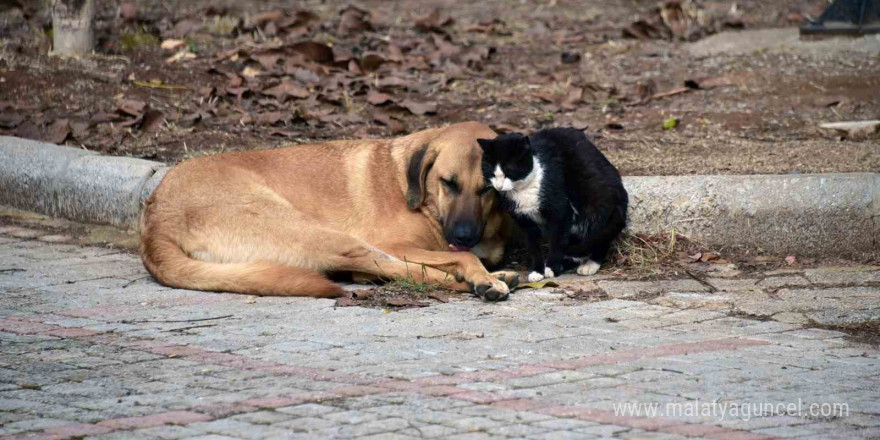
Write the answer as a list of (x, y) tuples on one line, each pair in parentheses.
[(515, 65)]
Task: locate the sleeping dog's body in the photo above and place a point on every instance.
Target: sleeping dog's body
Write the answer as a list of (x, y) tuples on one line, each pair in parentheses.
[(274, 222)]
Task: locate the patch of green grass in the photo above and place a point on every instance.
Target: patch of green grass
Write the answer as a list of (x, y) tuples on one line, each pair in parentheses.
[(137, 40), (223, 25), (411, 285)]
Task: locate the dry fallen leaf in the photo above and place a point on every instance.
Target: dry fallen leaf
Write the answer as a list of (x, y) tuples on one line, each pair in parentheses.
[(132, 107), (172, 44), (378, 98), (537, 285), (250, 299), (287, 89), (58, 131), (419, 108)]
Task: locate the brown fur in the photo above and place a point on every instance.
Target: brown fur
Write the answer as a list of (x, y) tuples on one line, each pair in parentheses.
[(273, 222)]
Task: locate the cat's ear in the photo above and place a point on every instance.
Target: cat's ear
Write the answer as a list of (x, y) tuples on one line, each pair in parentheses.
[(527, 142), (484, 143)]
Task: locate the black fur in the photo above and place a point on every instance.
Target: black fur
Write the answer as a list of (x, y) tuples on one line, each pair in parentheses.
[(582, 201), (415, 194)]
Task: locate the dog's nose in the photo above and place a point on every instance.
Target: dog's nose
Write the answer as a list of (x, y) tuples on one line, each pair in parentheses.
[(465, 234)]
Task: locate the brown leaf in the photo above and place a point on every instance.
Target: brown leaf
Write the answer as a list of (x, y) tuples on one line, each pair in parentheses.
[(79, 129), (285, 133), (696, 257), (405, 302), (267, 59), (709, 256), (10, 119), (394, 53), (58, 131), (184, 28), (444, 47), (287, 89), (378, 98), (236, 91), (314, 51), (572, 99), (131, 107), (362, 294), (103, 117), (394, 126), (419, 108), (153, 120), (28, 130), (439, 296), (127, 12), (371, 62), (392, 81), (354, 19), (434, 21), (263, 18), (270, 118), (347, 302)]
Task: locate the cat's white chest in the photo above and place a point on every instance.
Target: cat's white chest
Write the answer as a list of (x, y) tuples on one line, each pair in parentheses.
[(526, 193)]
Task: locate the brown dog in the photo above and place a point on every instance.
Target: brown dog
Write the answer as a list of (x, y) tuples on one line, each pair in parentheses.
[(274, 222)]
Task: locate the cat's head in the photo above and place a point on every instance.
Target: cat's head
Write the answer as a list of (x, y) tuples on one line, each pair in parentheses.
[(506, 160)]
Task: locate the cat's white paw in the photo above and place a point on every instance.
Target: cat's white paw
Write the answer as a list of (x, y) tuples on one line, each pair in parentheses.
[(548, 273), (588, 268), (535, 277)]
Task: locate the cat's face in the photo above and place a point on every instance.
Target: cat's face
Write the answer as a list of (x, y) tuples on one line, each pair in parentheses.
[(507, 159)]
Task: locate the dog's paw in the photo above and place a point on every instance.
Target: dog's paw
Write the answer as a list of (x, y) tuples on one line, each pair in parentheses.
[(548, 273), (493, 290), (509, 277), (535, 277), (588, 268)]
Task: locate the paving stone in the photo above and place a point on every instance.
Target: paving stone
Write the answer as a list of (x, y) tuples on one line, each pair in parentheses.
[(491, 362), (637, 289)]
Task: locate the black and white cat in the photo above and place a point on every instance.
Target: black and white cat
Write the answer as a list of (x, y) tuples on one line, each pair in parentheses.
[(557, 184)]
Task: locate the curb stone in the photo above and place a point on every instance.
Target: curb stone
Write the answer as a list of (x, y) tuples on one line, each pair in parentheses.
[(802, 214), (75, 184)]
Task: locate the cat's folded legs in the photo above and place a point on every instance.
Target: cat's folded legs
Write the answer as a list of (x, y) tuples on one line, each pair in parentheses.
[(558, 233), (536, 254)]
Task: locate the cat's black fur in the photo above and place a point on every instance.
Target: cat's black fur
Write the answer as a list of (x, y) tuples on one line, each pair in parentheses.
[(582, 201)]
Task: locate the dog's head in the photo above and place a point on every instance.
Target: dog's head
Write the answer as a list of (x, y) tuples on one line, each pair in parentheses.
[(444, 176)]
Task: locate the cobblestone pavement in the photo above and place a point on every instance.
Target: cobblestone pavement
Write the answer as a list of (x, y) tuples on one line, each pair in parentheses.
[(93, 348)]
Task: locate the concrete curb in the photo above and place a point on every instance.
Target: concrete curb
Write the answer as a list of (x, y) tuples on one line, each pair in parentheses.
[(75, 184), (804, 214)]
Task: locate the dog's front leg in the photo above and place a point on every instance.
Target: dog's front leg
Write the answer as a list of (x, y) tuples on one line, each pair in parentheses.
[(465, 267)]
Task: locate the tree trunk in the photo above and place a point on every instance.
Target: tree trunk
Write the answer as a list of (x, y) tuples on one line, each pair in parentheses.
[(72, 27)]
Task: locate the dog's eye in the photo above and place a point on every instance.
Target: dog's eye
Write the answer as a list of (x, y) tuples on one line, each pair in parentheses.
[(450, 184)]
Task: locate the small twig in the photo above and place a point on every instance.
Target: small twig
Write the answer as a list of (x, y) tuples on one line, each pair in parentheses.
[(712, 288), (12, 270), (178, 320), (134, 281), (159, 86), (670, 93), (190, 327)]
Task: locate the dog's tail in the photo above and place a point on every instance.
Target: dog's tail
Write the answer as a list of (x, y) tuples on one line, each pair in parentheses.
[(171, 266)]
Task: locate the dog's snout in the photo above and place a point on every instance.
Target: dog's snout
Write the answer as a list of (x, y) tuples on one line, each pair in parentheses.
[(465, 234)]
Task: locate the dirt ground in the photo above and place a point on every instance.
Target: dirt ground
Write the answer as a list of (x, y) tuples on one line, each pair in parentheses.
[(254, 74)]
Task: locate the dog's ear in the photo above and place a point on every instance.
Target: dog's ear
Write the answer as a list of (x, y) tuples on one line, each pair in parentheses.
[(416, 174)]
